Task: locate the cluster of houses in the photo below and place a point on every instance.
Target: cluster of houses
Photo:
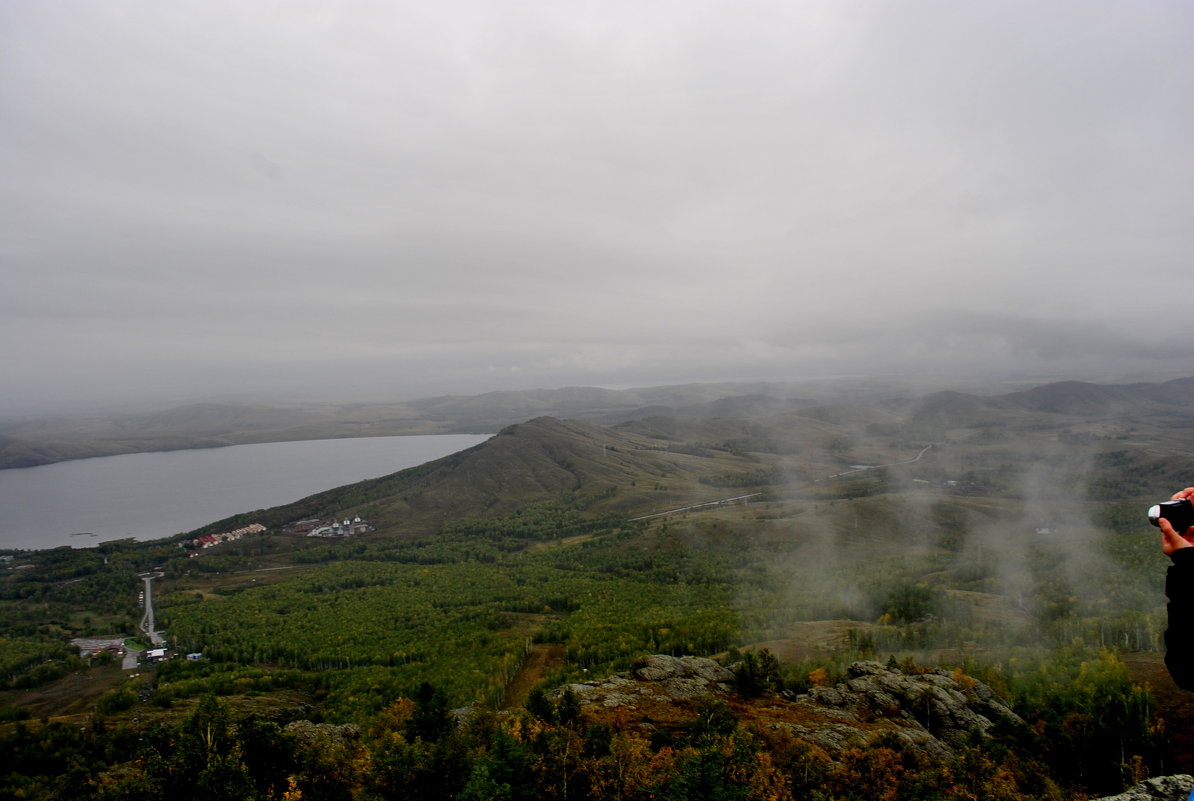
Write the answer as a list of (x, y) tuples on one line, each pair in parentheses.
[(152, 655), (90, 647), (208, 540), (328, 528)]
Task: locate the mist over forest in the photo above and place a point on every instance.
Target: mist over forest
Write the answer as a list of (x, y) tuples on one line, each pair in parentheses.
[(828, 354), (945, 593)]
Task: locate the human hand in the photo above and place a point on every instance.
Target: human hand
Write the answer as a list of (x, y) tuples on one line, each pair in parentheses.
[(1172, 541)]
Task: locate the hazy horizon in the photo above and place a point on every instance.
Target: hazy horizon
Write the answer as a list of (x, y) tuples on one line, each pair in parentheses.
[(268, 200), (817, 389)]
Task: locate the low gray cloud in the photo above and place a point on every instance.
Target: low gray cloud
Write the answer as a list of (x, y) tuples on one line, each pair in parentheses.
[(207, 197)]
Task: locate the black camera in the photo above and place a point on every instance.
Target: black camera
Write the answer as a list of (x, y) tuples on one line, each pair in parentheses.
[(1180, 514)]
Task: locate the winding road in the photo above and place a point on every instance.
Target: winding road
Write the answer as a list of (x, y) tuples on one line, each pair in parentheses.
[(860, 468)]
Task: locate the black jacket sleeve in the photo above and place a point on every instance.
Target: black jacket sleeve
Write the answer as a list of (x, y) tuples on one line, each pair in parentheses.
[(1179, 637)]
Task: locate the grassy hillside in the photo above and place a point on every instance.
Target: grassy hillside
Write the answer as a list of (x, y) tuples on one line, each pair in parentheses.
[(590, 468)]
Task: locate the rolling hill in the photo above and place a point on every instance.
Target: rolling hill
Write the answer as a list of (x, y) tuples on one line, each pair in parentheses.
[(27, 443), (592, 468)]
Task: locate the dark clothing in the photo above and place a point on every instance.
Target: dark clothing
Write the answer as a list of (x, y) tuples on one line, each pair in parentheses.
[(1179, 637)]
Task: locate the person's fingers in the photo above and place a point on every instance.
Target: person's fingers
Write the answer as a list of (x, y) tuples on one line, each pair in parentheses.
[(1170, 539), (1188, 492)]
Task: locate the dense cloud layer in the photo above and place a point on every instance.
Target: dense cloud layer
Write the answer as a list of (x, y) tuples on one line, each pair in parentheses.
[(206, 198)]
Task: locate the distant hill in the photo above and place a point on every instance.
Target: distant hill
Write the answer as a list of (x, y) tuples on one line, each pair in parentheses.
[(1178, 392), (750, 409), (1079, 398), (586, 466), (206, 425), (693, 453), (958, 409)]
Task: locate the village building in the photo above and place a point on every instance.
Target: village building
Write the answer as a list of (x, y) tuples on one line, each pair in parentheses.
[(210, 540), (94, 646), (340, 528)]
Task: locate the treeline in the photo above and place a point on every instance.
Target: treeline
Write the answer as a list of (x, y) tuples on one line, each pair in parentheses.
[(541, 521), (1085, 732), (762, 477)]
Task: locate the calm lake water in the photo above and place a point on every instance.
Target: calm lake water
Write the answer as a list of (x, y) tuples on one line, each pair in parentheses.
[(152, 495)]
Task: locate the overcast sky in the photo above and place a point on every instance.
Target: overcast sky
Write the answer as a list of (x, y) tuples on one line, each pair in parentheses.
[(280, 197)]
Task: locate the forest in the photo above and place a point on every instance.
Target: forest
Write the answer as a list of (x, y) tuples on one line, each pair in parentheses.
[(410, 663), (376, 639)]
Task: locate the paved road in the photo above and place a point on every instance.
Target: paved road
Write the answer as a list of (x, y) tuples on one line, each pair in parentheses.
[(147, 621)]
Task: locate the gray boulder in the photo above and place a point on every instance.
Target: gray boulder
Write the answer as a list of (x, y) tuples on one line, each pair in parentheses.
[(933, 712), (948, 709), (657, 677), (660, 667), (1161, 788)]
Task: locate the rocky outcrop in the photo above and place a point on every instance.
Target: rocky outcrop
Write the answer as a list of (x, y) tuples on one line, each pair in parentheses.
[(655, 678), (1161, 788), (947, 706), (934, 712)]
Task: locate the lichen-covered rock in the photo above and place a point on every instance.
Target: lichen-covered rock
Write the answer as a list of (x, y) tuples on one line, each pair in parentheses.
[(834, 738), (1159, 788), (660, 667), (932, 712), (948, 709), (658, 677)]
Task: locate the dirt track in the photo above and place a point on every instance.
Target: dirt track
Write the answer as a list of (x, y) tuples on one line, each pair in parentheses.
[(541, 660)]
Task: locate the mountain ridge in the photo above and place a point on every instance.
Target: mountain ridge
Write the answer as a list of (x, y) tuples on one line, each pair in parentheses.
[(205, 425)]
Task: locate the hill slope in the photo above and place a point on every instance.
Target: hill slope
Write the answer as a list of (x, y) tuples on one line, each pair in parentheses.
[(586, 466)]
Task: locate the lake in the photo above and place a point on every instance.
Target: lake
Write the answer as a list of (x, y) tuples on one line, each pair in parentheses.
[(152, 495)]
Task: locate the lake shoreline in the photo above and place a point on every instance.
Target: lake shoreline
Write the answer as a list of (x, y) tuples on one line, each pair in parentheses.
[(156, 495), (23, 454)]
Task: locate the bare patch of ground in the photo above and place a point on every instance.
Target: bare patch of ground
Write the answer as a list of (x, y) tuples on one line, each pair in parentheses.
[(573, 540), (989, 608), (73, 694), (814, 639), (542, 659)]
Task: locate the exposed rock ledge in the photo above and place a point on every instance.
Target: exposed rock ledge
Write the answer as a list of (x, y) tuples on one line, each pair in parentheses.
[(659, 677), (1161, 788), (933, 712), (937, 711)]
